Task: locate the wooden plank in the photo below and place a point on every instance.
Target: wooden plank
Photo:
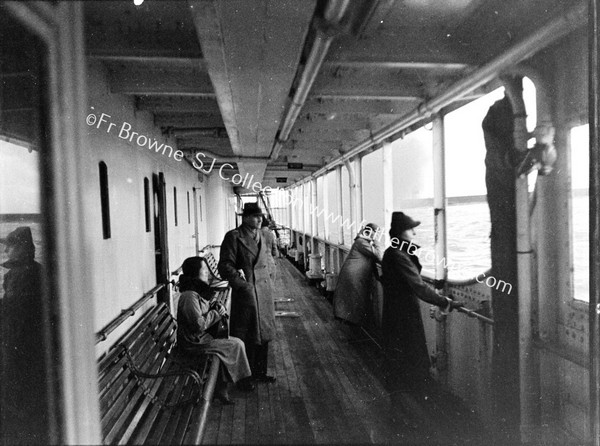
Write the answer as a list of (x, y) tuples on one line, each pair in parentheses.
[(238, 433), (212, 425)]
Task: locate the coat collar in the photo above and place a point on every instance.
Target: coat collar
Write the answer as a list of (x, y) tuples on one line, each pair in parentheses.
[(248, 241)]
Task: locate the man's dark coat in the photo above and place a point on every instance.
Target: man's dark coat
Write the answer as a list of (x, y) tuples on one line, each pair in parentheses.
[(252, 307)]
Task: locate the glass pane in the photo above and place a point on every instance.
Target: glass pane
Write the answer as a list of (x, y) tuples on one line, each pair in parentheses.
[(580, 211), (331, 213), (321, 206), (346, 217), (412, 167), (372, 187), (468, 217)]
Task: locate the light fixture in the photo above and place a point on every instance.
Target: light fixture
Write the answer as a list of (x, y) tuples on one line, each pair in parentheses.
[(138, 2)]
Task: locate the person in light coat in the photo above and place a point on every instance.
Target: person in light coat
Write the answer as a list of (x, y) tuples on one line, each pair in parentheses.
[(356, 280), (244, 262), (195, 316)]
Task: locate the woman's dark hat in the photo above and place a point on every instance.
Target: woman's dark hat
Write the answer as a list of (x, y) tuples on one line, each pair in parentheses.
[(191, 266), (401, 222), (19, 237), (251, 209)]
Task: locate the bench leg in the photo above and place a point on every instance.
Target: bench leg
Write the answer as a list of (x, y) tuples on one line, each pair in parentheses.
[(207, 396)]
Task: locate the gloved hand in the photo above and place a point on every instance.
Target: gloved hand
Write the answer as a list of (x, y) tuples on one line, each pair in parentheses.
[(452, 304)]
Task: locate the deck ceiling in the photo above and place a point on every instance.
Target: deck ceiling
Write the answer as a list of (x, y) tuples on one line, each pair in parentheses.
[(221, 75)]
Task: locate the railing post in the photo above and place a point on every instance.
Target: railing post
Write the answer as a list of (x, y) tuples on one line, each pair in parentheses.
[(439, 208), (594, 303), (340, 208), (388, 186)]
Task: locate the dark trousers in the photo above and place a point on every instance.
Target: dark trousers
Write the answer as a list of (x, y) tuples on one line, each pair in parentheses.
[(257, 357)]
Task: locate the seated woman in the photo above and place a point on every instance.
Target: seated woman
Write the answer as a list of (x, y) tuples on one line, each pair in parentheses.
[(195, 316)]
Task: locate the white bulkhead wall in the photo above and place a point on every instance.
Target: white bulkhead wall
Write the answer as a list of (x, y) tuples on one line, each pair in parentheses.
[(123, 266)]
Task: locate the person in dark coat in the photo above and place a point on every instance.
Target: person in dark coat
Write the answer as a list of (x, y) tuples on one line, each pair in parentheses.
[(195, 315), (403, 287), (22, 417), (244, 262), (356, 280)]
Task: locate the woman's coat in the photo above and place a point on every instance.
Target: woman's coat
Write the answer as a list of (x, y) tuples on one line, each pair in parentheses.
[(355, 283), (193, 318), (402, 325), (252, 307)]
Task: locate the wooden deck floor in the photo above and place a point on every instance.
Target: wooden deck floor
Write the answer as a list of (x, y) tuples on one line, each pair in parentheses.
[(330, 388)]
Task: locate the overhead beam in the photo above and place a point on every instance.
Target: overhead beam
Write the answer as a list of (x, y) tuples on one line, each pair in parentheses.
[(377, 63), (187, 104), (329, 135), (161, 82), (152, 61), (378, 47), (166, 119), (362, 106)]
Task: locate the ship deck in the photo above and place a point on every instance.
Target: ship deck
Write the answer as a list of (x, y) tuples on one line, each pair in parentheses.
[(330, 388)]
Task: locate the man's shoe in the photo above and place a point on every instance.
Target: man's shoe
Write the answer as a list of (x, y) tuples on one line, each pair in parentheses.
[(245, 385), (265, 378)]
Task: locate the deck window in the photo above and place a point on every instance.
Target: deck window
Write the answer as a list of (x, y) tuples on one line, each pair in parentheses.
[(147, 205), (332, 226), (372, 189), (188, 207), (104, 199), (412, 169), (175, 204), (468, 216)]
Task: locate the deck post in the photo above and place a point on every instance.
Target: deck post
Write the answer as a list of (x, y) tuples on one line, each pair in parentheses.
[(594, 303), (340, 208), (439, 209), (528, 366), (388, 185)]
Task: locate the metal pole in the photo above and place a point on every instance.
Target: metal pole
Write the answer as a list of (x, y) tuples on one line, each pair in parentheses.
[(388, 184), (594, 304), (439, 205), (340, 208), (529, 373)]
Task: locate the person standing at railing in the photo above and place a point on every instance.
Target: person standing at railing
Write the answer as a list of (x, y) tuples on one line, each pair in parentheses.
[(356, 281), (244, 262), (195, 316), (269, 238), (403, 331)]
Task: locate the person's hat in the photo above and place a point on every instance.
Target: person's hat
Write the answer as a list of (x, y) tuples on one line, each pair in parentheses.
[(19, 237), (401, 222), (251, 209), (191, 266)]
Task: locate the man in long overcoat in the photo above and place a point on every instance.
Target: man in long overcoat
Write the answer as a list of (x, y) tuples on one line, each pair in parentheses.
[(244, 262)]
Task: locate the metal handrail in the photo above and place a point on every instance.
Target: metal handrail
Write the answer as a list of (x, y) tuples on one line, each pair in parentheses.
[(102, 335), (473, 313)]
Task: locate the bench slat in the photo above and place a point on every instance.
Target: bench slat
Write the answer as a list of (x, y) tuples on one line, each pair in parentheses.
[(142, 375)]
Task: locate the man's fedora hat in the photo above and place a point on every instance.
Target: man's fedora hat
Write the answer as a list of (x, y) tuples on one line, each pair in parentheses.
[(251, 209)]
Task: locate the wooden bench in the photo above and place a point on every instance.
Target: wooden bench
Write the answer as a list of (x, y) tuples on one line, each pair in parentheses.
[(216, 280), (148, 393)]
